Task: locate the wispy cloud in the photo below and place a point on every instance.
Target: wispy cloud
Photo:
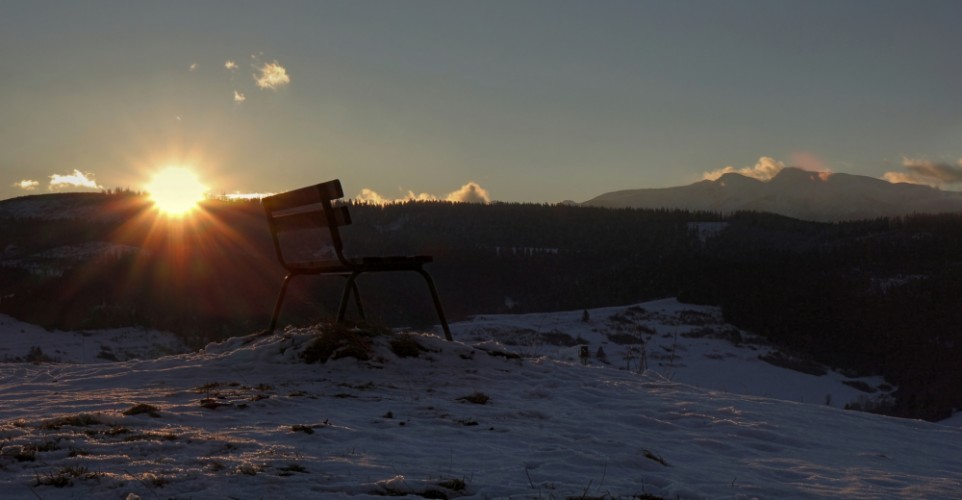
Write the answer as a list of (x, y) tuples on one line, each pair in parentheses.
[(471, 192), (239, 97), (809, 161), (76, 179), (231, 65), (764, 170), (244, 196), (371, 196), (272, 76), (928, 172), (26, 185)]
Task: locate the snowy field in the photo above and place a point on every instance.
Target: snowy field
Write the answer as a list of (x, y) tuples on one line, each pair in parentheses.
[(664, 401)]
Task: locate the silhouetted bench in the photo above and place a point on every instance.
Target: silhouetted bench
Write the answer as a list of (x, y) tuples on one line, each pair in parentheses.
[(304, 226)]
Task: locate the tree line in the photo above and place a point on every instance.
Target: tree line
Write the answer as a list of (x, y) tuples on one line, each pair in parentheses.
[(873, 296)]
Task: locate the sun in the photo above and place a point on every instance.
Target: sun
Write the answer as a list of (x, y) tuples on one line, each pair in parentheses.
[(176, 191)]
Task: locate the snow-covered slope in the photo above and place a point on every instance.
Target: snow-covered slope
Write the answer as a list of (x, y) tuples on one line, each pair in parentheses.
[(248, 418), (21, 341), (681, 342)]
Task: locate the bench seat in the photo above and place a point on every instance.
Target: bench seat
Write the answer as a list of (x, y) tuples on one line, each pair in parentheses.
[(312, 208)]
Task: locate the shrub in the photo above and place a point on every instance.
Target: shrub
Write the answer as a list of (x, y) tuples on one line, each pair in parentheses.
[(65, 476), (142, 408), (338, 342), (35, 355), (478, 398), (290, 469), (406, 346), (79, 420), (306, 429)]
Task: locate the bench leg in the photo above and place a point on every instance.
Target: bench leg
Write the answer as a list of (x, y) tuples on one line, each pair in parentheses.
[(277, 306), (349, 288), (437, 303), (357, 300)]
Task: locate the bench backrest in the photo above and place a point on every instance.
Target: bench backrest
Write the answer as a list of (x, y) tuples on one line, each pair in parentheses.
[(304, 211)]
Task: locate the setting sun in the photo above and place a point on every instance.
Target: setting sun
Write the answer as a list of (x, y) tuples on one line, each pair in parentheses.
[(176, 190)]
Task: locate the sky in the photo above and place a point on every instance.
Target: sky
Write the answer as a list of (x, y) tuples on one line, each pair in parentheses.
[(527, 101)]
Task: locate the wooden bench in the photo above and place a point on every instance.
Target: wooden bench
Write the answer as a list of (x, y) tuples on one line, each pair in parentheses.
[(304, 225)]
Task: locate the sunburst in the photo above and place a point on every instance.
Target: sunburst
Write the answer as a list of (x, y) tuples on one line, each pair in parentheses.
[(175, 191)]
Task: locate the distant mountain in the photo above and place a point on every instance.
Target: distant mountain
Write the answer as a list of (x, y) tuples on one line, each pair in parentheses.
[(793, 192)]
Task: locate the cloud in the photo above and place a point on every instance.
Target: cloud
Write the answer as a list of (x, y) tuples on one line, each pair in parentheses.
[(244, 196), (900, 177), (370, 196), (26, 185), (239, 97), (809, 161), (927, 172), (231, 65), (764, 170), (272, 76), (77, 179), (373, 197), (471, 192)]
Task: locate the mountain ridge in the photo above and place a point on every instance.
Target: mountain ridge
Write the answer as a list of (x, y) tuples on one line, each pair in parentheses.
[(793, 192)]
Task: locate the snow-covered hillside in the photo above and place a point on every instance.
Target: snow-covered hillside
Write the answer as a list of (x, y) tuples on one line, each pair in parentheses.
[(680, 342), (511, 409), (21, 341)]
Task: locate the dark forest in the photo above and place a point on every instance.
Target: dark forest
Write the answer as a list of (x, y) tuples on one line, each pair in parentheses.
[(872, 297)]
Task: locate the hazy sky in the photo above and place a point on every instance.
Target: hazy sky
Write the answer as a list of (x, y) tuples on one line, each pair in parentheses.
[(533, 100)]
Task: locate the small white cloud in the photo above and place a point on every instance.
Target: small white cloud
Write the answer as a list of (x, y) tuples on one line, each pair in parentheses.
[(231, 65), (26, 185), (370, 196), (193, 67), (272, 76), (77, 179), (239, 97), (764, 170), (245, 196), (470, 193)]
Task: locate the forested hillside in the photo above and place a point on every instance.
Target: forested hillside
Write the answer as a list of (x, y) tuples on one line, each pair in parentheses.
[(876, 296)]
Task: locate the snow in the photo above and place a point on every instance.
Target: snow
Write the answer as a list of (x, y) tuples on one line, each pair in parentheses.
[(247, 418), (19, 340), (680, 342)]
